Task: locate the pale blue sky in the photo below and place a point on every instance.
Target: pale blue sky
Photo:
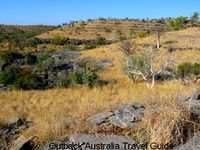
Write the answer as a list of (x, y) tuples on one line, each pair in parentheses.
[(55, 12)]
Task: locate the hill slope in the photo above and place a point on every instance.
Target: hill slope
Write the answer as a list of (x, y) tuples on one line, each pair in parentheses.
[(107, 29)]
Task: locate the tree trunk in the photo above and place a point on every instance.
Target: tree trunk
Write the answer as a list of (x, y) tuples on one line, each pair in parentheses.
[(158, 42)]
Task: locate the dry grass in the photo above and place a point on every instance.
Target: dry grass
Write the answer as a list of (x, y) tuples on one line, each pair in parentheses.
[(56, 112)]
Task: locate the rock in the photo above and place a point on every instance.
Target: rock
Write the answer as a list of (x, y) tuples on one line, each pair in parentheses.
[(99, 118), (191, 144), (55, 145), (128, 116), (114, 141), (12, 130), (196, 95), (104, 64), (192, 104), (125, 116), (91, 141), (26, 144), (4, 87), (165, 75)]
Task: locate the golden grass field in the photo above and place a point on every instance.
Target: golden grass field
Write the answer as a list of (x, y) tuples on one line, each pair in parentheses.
[(53, 111)]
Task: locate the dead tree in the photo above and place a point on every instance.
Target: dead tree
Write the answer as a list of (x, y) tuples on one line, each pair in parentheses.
[(144, 66), (128, 47), (159, 30)]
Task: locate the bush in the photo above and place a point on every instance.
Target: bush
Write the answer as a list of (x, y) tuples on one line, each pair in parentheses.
[(30, 59), (63, 82), (100, 40), (60, 40), (196, 69), (76, 77), (21, 79), (91, 79), (188, 69), (142, 34), (10, 76), (28, 82), (45, 62), (120, 35), (9, 57), (89, 46)]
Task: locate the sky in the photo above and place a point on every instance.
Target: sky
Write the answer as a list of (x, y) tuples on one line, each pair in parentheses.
[(55, 12)]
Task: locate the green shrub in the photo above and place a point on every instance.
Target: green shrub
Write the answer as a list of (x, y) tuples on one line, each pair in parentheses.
[(30, 59), (10, 76), (120, 35), (58, 40), (10, 56), (187, 69), (89, 46), (21, 79), (63, 82), (91, 79), (28, 82), (45, 62), (142, 34), (76, 77), (196, 68), (100, 41)]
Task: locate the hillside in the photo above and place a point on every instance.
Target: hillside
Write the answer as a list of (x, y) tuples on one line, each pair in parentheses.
[(105, 28), (54, 111)]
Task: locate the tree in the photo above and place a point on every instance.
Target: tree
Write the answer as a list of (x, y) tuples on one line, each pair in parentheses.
[(144, 66), (128, 47), (159, 31), (195, 17)]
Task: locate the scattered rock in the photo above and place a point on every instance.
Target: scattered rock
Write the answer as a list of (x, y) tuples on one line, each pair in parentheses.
[(26, 144), (196, 95), (91, 139), (12, 130), (125, 116), (100, 118), (191, 144), (193, 104), (128, 116)]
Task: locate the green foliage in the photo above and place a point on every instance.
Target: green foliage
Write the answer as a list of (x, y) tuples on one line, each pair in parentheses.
[(63, 82), (21, 79), (195, 17), (30, 59), (142, 34), (28, 82), (10, 76), (91, 79), (100, 41), (58, 40), (178, 23), (120, 35), (10, 56), (188, 69), (45, 62), (89, 46), (77, 77), (196, 68)]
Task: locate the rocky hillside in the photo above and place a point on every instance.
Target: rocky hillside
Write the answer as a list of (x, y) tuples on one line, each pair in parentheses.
[(108, 29)]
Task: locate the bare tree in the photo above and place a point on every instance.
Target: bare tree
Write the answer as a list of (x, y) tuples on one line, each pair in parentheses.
[(128, 47), (159, 30), (144, 65)]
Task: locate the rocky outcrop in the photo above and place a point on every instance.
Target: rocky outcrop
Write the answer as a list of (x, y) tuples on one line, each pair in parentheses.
[(192, 144), (10, 131), (125, 116), (92, 141), (192, 103)]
